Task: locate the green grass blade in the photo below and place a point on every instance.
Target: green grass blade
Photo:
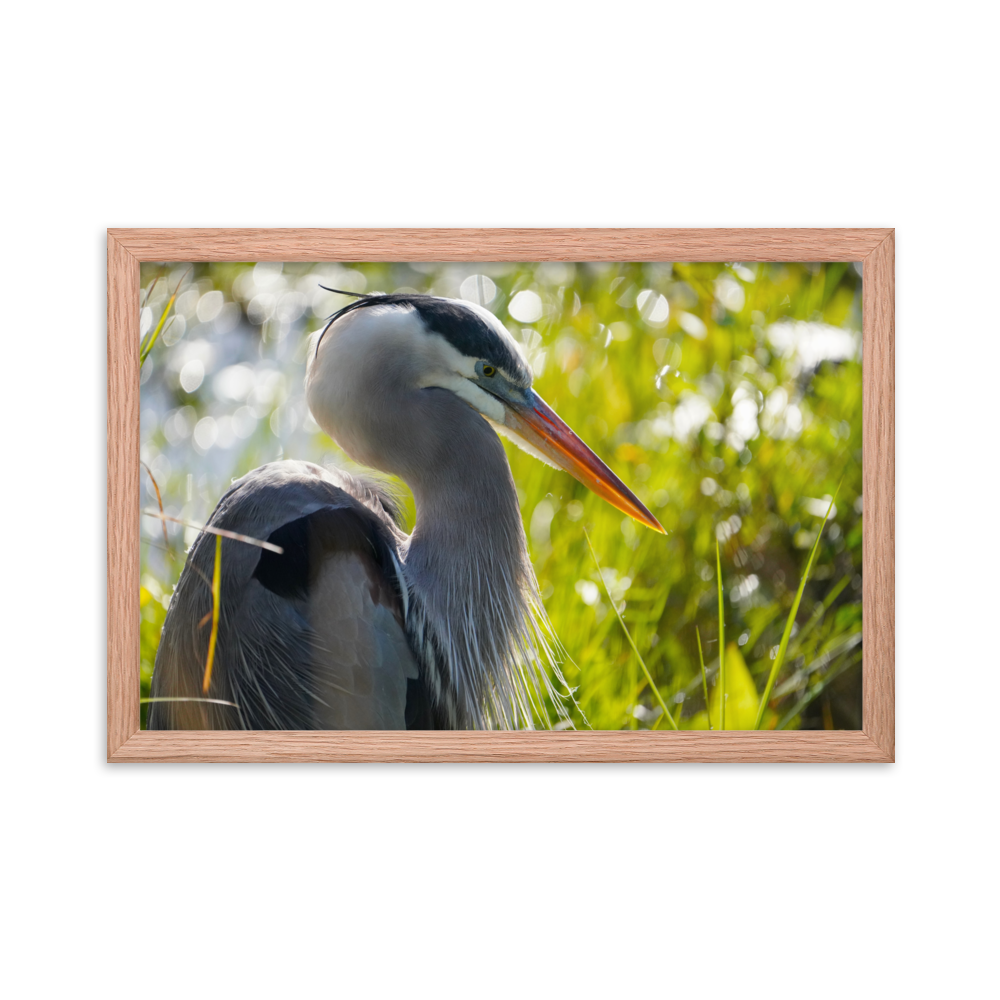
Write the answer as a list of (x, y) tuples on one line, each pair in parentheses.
[(149, 291), (722, 641), (812, 695), (704, 676), (786, 635), (216, 591), (151, 339), (818, 614), (628, 635)]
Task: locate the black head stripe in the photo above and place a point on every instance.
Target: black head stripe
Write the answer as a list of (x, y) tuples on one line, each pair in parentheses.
[(461, 326), (470, 334)]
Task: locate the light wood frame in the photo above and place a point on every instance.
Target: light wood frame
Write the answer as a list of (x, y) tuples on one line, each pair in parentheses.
[(127, 248)]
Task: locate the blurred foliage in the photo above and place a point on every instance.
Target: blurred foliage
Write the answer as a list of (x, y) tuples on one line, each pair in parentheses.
[(727, 396)]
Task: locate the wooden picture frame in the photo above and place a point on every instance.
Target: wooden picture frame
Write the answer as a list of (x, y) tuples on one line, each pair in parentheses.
[(127, 248)]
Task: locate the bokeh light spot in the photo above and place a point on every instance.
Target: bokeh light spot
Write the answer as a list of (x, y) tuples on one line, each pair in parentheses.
[(653, 308), (210, 305), (192, 375), (481, 290), (205, 433), (526, 307), (692, 325)]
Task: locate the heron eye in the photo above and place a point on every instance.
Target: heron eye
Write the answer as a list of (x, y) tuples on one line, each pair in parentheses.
[(489, 371)]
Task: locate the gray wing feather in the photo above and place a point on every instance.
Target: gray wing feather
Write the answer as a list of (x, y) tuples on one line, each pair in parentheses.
[(363, 660), (314, 639)]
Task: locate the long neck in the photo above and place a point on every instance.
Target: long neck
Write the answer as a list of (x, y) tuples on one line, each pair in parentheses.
[(468, 568)]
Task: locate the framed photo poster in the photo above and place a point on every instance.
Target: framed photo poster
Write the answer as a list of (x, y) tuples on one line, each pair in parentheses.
[(501, 495)]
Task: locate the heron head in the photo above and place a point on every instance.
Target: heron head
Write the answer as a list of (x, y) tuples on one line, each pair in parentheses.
[(422, 341)]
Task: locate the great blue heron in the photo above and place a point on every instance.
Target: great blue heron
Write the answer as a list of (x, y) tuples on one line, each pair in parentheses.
[(357, 625)]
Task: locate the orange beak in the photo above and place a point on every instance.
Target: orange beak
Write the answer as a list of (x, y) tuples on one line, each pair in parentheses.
[(541, 427)]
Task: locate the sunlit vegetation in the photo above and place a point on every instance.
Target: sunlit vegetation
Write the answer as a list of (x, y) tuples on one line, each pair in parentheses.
[(727, 396)]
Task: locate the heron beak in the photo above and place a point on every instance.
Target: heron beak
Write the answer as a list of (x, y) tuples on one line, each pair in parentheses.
[(541, 427)]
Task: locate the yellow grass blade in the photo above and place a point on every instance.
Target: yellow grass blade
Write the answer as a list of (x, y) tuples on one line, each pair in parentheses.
[(216, 591)]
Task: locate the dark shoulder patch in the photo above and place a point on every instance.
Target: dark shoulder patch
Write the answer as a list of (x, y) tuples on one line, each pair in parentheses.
[(308, 540), (287, 575)]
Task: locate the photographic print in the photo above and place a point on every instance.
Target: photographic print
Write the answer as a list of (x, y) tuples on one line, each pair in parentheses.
[(571, 496)]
